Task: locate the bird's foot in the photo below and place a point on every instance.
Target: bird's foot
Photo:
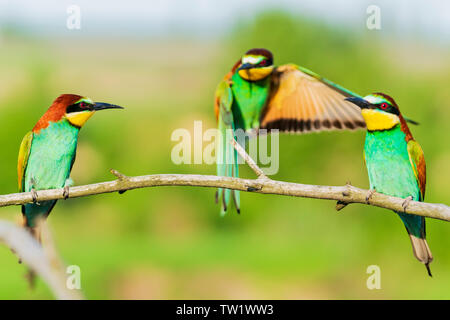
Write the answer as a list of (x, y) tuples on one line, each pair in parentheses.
[(66, 192), (34, 196), (369, 194), (406, 203)]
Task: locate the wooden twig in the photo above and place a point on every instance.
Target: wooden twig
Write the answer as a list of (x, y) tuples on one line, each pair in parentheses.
[(35, 257), (346, 194), (251, 163)]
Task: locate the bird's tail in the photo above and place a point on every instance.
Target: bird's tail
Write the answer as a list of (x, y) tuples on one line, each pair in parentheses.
[(422, 251), (415, 225), (227, 166), (34, 215), (36, 233)]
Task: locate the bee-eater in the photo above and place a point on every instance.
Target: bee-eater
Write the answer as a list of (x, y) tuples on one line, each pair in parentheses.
[(47, 152), (257, 95), (395, 163)]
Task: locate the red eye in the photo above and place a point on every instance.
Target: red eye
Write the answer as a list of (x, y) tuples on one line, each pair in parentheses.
[(83, 105), (384, 106)]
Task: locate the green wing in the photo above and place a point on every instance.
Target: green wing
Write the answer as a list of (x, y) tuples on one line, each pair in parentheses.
[(417, 160), (24, 153), (226, 155)]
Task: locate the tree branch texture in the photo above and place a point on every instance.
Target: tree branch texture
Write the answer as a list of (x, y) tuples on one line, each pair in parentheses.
[(43, 261), (346, 194)]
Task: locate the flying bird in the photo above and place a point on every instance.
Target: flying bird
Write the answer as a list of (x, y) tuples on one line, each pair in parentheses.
[(395, 163), (257, 95)]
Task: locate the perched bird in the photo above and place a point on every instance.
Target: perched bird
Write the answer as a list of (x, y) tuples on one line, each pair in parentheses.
[(47, 152), (257, 95), (395, 163)]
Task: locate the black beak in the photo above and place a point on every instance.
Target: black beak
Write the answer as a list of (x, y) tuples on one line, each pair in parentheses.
[(360, 102), (246, 66), (102, 106), (411, 121)]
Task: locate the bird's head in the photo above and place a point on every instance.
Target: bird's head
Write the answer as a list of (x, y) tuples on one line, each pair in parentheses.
[(256, 64), (379, 111), (76, 109)]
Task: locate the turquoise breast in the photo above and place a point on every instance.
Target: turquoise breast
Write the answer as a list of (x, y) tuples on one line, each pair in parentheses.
[(388, 164), (390, 171), (249, 100), (51, 155)]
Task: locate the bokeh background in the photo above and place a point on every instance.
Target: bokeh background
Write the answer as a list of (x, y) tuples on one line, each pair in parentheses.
[(162, 60)]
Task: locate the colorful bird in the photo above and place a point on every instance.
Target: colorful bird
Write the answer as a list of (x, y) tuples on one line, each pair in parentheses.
[(257, 95), (395, 163), (47, 152)]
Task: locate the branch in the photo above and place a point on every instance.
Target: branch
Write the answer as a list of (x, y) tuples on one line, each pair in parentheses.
[(45, 263), (251, 163), (346, 194)]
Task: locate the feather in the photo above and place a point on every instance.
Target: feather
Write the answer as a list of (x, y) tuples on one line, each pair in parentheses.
[(301, 101), (226, 157), (24, 154)]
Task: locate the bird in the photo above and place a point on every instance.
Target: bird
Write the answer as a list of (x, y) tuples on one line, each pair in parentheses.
[(395, 163), (256, 95), (47, 153)]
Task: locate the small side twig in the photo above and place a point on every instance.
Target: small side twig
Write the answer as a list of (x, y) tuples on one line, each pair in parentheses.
[(251, 163), (121, 177)]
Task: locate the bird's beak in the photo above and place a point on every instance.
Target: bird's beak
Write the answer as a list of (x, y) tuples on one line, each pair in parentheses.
[(360, 102), (102, 106), (410, 121), (246, 66)]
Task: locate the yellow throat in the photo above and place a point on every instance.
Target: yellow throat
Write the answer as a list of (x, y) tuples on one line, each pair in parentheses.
[(378, 120), (78, 119), (255, 74)]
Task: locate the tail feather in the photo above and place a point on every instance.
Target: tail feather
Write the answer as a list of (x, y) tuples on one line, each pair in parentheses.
[(235, 193), (422, 251), (31, 275), (36, 233), (227, 166), (415, 226), (34, 215)]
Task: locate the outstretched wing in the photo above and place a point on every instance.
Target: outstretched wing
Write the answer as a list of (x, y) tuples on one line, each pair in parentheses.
[(24, 153), (417, 160), (302, 101)]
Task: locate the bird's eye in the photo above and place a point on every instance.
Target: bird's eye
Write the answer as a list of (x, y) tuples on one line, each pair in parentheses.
[(83, 105), (384, 106)]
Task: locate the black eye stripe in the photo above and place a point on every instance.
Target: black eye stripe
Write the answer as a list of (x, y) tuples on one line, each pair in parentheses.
[(388, 108), (77, 107)]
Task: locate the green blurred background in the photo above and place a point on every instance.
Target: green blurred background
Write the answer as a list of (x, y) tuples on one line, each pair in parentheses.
[(170, 242)]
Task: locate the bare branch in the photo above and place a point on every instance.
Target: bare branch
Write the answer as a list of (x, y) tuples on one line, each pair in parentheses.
[(251, 163), (345, 194), (34, 256)]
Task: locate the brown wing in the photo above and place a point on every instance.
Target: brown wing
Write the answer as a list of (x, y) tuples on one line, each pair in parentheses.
[(301, 101)]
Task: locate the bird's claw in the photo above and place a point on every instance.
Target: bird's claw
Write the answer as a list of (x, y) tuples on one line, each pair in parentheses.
[(406, 203), (66, 192), (369, 194)]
